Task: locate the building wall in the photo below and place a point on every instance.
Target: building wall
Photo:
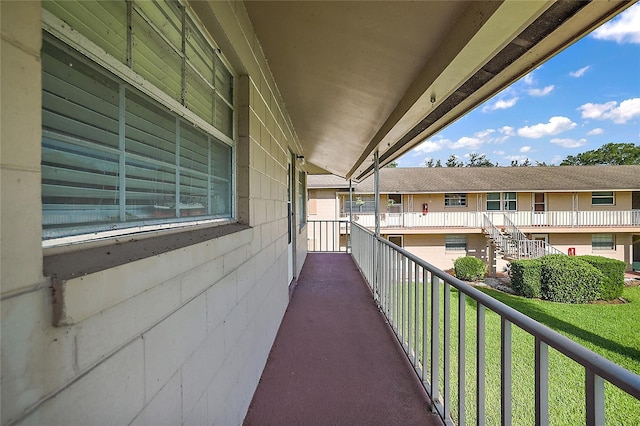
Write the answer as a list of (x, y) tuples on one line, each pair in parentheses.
[(431, 248), (179, 337), (323, 204), (582, 244), (559, 201), (622, 201)]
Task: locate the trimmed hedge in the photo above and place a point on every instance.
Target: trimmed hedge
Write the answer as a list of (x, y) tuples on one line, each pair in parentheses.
[(525, 277), (469, 268), (568, 279), (613, 271)]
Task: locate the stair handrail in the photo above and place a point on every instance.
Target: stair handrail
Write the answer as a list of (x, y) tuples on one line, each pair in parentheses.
[(499, 239), (513, 231)]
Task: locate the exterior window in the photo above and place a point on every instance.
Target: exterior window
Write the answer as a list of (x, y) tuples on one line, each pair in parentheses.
[(394, 203), (510, 201), (603, 242), (455, 243), (602, 198), (493, 201), (113, 155), (302, 195), (360, 204), (502, 201), (455, 200)]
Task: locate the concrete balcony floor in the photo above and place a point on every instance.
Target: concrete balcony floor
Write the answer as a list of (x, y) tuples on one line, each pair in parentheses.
[(335, 361)]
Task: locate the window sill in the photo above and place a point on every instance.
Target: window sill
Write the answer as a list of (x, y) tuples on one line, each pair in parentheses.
[(63, 263)]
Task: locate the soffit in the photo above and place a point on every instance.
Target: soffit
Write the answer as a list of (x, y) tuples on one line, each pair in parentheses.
[(359, 77)]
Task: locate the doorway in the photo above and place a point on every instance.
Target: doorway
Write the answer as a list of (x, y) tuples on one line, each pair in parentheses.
[(539, 209)]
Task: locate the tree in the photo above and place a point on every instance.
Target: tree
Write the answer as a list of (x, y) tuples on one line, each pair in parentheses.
[(452, 161), (611, 154), (430, 163), (525, 163), (479, 160), (392, 165)]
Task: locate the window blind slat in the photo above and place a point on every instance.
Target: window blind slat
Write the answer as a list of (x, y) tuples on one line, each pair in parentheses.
[(102, 22), (155, 60)]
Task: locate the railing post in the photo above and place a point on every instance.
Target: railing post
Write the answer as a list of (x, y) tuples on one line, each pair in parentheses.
[(594, 393), (435, 341), (505, 366), (481, 364), (542, 382), (461, 358)]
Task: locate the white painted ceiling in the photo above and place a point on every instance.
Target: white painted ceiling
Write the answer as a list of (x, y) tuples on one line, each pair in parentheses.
[(365, 76)]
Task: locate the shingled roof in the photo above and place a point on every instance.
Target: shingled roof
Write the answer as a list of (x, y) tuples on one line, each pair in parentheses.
[(489, 179)]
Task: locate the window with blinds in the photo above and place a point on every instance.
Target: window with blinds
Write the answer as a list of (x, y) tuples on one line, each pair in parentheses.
[(455, 243), (113, 156)]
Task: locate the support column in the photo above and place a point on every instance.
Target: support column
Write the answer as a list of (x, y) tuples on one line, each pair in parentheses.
[(376, 184), (350, 216), (491, 258)]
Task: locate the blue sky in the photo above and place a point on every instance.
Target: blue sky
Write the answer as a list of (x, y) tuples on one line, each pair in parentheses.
[(584, 97)]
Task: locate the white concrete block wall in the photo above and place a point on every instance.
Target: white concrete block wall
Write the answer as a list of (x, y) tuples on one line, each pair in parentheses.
[(178, 338)]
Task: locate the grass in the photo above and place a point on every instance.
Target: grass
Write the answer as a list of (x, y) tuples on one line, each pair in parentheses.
[(607, 329)]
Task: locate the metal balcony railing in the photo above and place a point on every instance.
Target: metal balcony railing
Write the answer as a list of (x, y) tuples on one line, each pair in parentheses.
[(328, 236), (416, 299)]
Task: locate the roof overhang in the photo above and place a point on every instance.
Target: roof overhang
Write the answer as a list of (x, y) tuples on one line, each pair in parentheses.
[(365, 77)]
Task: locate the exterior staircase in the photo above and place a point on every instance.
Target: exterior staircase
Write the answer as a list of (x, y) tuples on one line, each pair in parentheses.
[(511, 243)]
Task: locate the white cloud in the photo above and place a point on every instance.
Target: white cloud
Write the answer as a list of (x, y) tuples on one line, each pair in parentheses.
[(516, 157), (525, 149), (467, 142), (627, 110), (507, 130), (429, 146), (484, 134), (501, 104), (569, 143), (625, 28), (579, 73), (499, 152), (528, 79), (541, 92), (555, 126), (556, 159), (596, 131)]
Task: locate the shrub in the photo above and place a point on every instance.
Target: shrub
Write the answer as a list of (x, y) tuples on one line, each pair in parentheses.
[(469, 268), (613, 271), (568, 279), (525, 277)]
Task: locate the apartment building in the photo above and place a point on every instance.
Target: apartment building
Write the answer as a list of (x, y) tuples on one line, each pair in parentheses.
[(440, 214), (154, 162)]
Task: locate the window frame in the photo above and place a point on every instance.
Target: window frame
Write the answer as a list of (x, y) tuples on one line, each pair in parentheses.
[(58, 31), (462, 197), (600, 245), (302, 199), (503, 201), (450, 245), (603, 195)]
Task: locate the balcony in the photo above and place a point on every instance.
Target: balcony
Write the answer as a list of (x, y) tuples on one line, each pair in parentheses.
[(522, 219), (333, 362)]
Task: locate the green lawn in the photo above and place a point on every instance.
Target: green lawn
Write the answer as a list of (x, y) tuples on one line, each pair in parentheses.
[(610, 330)]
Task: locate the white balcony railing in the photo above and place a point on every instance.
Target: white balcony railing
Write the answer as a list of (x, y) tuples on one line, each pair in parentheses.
[(560, 219)]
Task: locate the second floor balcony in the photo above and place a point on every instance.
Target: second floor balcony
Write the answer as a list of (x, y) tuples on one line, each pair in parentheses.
[(472, 220)]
